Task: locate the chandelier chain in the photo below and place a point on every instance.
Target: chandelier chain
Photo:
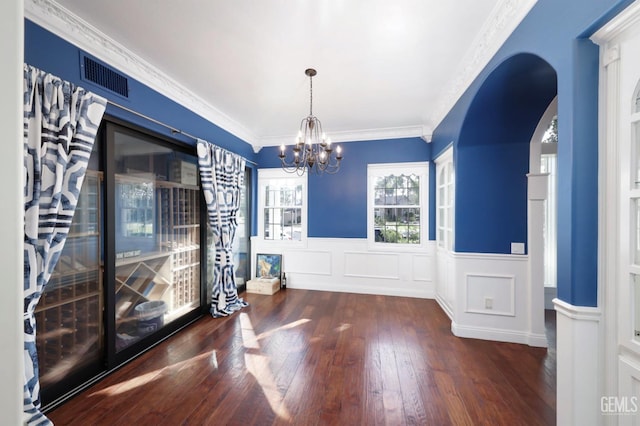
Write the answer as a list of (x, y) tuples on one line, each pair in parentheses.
[(311, 96)]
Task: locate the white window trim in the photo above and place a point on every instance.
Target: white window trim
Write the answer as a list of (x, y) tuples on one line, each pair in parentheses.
[(446, 160), (422, 170), (264, 175)]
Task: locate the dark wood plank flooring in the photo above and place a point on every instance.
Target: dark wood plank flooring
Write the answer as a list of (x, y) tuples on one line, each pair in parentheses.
[(319, 358)]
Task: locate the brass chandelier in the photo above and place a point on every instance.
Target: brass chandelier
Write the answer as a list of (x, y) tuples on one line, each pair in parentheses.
[(312, 151)]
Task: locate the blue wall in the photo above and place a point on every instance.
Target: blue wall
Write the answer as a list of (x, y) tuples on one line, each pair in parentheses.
[(338, 203), (52, 54), (493, 154), (553, 37)]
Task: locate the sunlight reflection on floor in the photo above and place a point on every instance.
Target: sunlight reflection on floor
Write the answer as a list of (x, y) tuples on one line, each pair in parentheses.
[(258, 364), (149, 377), (284, 327), (343, 327)]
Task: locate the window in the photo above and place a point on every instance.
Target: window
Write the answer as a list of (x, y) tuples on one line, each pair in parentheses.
[(549, 164), (282, 206), (397, 206), (444, 201)]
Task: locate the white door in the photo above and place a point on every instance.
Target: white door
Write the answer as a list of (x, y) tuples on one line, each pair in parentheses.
[(444, 230), (619, 229)]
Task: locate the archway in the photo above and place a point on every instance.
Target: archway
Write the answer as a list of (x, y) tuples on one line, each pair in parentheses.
[(495, 190)]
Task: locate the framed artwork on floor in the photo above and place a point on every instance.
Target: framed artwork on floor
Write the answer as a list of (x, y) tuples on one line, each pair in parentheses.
[(268, 265)]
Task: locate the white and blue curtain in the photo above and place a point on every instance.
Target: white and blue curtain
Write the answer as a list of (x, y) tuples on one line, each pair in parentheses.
[(60, 125), (222, 178)]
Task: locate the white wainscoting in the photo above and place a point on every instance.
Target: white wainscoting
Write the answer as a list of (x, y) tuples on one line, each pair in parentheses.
[(628, 389), (445, 283), (491, 298), (579, 353), (464, 282), (348, 265)]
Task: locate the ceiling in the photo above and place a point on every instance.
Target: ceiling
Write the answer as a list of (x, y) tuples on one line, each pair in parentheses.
[(385, 69)]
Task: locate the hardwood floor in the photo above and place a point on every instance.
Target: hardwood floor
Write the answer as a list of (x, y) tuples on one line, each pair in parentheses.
[(319, 358)]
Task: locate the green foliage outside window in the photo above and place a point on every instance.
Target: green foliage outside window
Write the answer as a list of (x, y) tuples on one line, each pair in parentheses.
[(397, 212)]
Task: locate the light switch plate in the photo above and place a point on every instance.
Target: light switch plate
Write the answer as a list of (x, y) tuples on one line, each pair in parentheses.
[(517, 248)]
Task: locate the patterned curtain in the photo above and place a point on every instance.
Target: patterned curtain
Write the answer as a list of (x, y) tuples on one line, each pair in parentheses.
[(221, 175), (60, 125)]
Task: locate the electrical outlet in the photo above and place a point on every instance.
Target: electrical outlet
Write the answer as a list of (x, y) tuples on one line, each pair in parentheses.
[(488, 303), (637, 333)]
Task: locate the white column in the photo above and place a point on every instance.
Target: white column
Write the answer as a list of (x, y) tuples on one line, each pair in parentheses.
[(537, 194), (578, 354), (609, 198), (11, 172)]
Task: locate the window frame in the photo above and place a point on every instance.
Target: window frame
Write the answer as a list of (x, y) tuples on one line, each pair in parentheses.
[(421, 169), (445, 208), (630, 200), (549, 165), (266, 176)]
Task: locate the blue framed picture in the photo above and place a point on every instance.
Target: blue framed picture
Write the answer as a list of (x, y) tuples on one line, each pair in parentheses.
[(268, 265)]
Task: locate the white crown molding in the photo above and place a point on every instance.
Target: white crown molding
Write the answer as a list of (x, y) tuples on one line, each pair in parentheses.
[(423, 132), (50, 15), (505, 17), (625, 19), (60, 21)]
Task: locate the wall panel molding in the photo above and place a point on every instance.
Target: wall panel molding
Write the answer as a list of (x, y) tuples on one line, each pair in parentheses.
[(371, 265), (347, 265), (499, 289), (316, 262), (422, 267), (465, 280)]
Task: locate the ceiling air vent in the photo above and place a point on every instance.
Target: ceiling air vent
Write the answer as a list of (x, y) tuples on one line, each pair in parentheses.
[(105, 77)]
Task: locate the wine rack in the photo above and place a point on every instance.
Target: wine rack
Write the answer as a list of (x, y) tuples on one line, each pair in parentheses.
[(179, 216), (69, 330)]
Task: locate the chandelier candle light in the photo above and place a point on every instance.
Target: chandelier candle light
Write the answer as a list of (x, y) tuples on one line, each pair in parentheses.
[(312, 151)]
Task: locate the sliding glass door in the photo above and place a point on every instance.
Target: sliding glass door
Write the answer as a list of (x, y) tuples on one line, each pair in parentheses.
[(69, 316), (157, 234), (242, 242), (130, 272)]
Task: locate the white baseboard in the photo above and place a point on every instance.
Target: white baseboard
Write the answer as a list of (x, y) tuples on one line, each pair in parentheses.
[(445, 307), (345, 287), (498, 335)]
